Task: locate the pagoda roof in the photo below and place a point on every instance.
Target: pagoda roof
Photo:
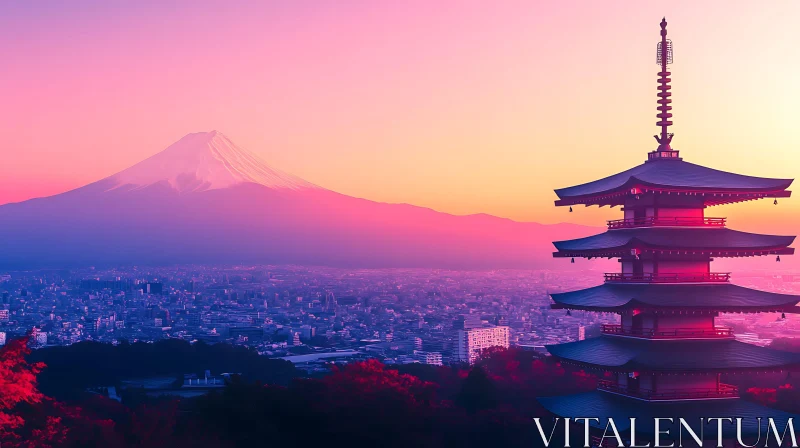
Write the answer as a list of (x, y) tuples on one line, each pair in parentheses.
[(713, 241), (603, 405), (639, 355), (719, 297), (674, 176)]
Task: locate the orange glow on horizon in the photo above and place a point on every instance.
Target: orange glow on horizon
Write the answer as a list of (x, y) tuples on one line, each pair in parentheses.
[(456, 106)]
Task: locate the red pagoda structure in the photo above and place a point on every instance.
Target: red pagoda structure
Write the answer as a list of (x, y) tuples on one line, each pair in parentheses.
[(667, 356)]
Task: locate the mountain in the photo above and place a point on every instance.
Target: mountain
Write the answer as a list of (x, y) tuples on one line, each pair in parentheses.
[(206, 200), (205, 161)]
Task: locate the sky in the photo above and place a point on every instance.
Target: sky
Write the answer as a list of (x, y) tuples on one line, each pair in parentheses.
[(461, 106)]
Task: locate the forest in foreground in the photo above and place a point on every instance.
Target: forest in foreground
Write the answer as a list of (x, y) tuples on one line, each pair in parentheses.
[(359, 404)]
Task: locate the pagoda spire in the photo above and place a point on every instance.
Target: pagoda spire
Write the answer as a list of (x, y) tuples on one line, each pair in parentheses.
[(664, 58)]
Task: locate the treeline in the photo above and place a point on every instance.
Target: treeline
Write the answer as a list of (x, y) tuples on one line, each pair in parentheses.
[(72, 369), (361, 404)]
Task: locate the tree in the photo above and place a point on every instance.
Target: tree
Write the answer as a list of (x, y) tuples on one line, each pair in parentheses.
[(478, 392), (17, 386)]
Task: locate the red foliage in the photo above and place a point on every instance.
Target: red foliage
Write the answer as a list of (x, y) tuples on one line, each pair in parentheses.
[(28, 419), (499, 395), (370, 378), (17, 385), (523, 371), (583, 379), (763, 395)]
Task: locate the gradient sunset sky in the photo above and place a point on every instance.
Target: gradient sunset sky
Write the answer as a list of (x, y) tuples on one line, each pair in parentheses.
[(462, 106)]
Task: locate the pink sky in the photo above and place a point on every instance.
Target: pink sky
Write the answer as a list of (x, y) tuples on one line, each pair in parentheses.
[(457, 106)]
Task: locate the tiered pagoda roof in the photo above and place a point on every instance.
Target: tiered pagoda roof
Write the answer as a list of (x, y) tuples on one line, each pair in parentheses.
[(674, 176), (621, 409), (720, 242), (614, 353), (724, 297), (666, 294)]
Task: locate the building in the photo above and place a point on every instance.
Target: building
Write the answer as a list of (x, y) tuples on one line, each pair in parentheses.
[(307, 332), (2, 338), (251, 333), (581, 332), (91, 325), (347, 300), (152, 288), (430, 358), (38, 337), (667, 356), (95, 284), (330, 302), (473, 341), (467, 321), (3, 315)]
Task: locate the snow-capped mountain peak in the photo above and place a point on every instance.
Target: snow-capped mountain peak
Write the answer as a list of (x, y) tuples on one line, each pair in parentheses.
[(204, 161)]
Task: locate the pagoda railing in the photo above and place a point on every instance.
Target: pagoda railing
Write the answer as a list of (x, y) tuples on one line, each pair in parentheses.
[(722, 391), (670, 154), (708, 277), (674, 333), (651, 221)]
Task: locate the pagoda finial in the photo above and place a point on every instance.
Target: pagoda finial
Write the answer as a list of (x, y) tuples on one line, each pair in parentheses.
[(663, 58)]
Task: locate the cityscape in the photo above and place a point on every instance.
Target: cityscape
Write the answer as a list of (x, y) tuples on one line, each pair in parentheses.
[(316, 316)]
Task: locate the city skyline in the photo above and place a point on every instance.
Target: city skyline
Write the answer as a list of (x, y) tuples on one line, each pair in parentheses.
[(457, 115)]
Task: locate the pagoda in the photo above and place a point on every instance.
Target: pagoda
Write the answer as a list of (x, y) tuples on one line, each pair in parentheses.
[(667, 355)]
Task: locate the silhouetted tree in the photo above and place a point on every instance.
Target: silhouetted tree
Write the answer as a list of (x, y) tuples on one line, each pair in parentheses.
[(478, 392)]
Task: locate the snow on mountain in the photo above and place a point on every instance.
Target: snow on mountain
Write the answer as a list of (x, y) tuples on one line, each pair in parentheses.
[(204, 161), (206, 200)]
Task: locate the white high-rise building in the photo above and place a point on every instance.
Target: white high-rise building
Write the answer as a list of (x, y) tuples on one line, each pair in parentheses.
[(473, 341), (2, 338), (430, 358), (581, 332)]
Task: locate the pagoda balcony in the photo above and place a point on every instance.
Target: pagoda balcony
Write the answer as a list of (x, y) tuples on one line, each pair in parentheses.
[(675, 333), (707, 277), (722, 391), (668, 154), (675, 221)]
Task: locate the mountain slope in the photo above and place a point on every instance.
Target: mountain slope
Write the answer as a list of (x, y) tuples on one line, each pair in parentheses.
[(205, 161), (204, 200)]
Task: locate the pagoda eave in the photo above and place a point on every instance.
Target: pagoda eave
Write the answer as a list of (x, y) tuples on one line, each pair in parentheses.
[(675, 299), (672, 355), (674, 241), (673, 177), (710, 198), (795, 367), (626, 250), (633, 305)]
